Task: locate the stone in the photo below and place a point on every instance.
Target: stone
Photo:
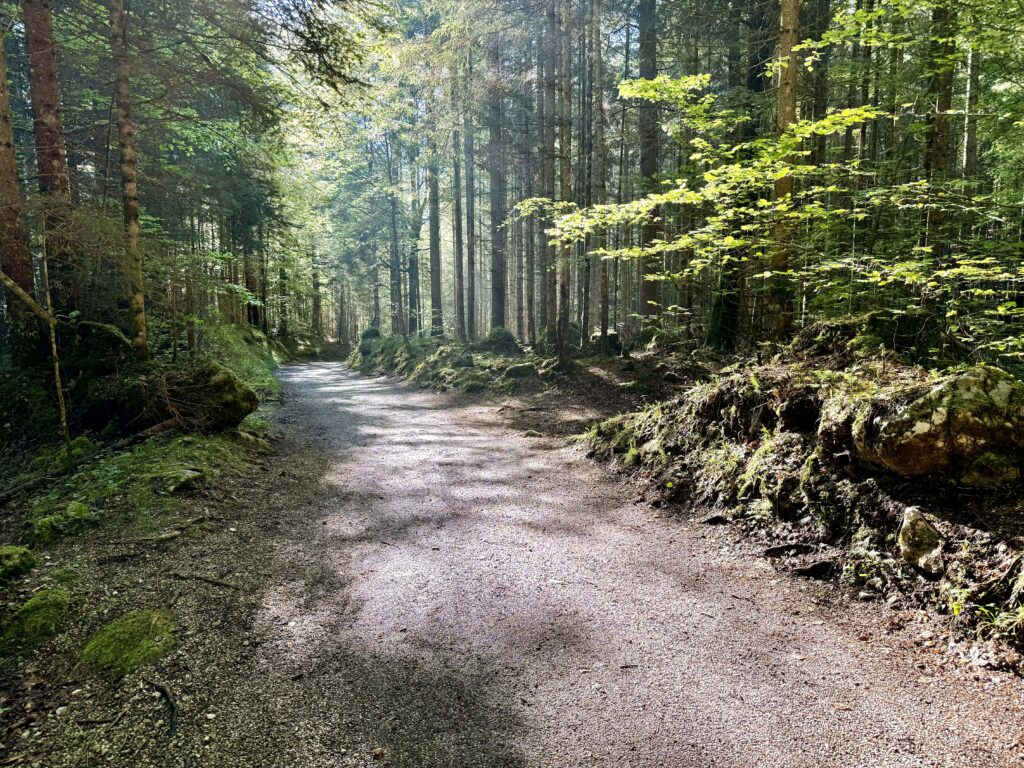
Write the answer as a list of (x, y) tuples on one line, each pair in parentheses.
[(500, 341), (183, 480), (969, 425), (464, 360), (920, 542)]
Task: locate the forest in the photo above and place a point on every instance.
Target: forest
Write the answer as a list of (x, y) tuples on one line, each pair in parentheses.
[(511, 383)]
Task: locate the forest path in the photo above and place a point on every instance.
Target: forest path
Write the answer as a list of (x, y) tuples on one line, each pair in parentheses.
[(455, 594)]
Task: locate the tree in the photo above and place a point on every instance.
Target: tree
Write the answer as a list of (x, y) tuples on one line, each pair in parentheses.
[(129, 177)]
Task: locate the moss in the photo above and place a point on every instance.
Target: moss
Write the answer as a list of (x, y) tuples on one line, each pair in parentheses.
[(46, 529), (131, 641), (15, 562), (133, 481), (37, 620), (991, 470)]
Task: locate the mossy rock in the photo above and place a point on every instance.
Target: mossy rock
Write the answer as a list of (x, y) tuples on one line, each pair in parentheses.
[(15, 562), (204, 396), (500, 341), (131, 641), (74, 518), (369, 334), (182, 480), (969, 426), (464, 360), (37, 620), (614, 342)]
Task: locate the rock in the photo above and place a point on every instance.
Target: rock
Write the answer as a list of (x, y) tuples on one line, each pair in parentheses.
[(818, 569), (969, 425), (183, 480), (920, 542), (795, 548), (521, 371), (500, 341), (614, 342), (464, 360), (37, 620), (15, 562)]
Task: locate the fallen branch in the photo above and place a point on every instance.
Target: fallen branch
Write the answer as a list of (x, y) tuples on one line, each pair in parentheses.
[(169, 698)]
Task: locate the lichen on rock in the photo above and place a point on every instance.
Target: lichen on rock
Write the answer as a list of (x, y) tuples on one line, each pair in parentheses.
[(920, 542), (969, 426)]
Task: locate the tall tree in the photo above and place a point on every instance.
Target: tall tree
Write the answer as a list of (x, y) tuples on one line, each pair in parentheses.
[(129, 177), (647, 22), (496, 177)]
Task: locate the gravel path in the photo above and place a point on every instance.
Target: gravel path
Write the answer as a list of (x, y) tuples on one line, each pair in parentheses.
[(462, 595)]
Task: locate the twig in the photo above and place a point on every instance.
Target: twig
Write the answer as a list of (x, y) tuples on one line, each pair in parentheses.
[(169, 698)]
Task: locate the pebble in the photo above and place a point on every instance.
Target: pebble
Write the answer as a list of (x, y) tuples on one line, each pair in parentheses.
[(60, 711), (211, 716)]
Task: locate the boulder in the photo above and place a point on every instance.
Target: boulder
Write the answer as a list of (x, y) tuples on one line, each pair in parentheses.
[(203, 396), (969, 425), (920, 542), (500, 341), (464, 360), (614, 342)]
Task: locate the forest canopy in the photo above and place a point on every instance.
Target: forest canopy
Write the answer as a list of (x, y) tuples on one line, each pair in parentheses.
[(571, 170)]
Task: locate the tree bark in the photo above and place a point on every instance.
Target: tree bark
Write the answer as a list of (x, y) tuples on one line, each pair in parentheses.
[(51, 150), (565, 182), (129, 178), (470, 154), (600, 179), (647, 21), (781, 313), (460, 297), (434, 230), (15, 257), (496, 176)]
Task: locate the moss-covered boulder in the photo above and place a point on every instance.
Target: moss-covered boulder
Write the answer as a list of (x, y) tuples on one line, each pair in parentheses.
[(15, 562), (500, 341), (129, 642), (920, 543), (969, 426), (37, 620), (614, 342), (203, 396)]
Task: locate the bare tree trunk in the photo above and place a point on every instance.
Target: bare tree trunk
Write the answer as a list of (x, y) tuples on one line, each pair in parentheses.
[(970, 158), (129, 178), (316, 317), (496, 174), (51, 149), (781, 317), (470, 154), (550, 90), (434, 228), (460, 297), (649, 129), (600, 168), (15, 257), (565, 182)]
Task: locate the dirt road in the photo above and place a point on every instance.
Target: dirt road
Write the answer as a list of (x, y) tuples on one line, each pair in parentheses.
[(472, 597)]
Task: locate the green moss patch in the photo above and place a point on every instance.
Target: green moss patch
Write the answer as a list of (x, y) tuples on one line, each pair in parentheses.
[(37, 620), (15, 562), (132, 641)]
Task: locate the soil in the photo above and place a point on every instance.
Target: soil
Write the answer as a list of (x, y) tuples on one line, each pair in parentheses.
[(413, 580)]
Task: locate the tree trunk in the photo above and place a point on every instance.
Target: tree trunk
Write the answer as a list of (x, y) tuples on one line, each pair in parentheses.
[(496, 176), (565, 181), (316, 317), (15, 257), (649, 130), (970, 158), (781, 312), (938, 150), (470, 153), (51, 150), (550, 253), (434, 229), (129, 178), (460, 298), (600, 170)]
